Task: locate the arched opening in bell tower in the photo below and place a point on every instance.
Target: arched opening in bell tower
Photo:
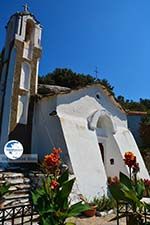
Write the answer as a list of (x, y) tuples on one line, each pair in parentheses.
[(29, 39), (25, 76), (29, 35)]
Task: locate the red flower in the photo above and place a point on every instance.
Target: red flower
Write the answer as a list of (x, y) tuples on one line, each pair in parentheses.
[(130, 159), (53, 159), (54, 184), (147, 183)]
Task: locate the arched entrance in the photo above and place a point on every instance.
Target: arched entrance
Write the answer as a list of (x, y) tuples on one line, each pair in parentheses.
[(103, 129), (102, 123)]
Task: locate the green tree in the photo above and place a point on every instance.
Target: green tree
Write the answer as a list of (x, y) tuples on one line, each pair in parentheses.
[(67, 78), (145, 131), (109, 87)]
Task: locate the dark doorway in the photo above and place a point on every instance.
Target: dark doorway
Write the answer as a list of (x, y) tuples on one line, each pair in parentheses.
[(101, 147)]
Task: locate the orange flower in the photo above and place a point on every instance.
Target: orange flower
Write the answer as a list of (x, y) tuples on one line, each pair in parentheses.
[(53, 159), (54, 184), (57, 151), (130, 159)]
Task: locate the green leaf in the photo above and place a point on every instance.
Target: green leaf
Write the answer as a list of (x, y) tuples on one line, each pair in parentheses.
[(77, 208), (116, 192), (49, 220), (43, 212), (46, 185), (63, 194), (147, 206), (37, 194), (64, 177), (70, 223), (140, 188), (45, 221), (35, 197), (131, 196), (40, 191), (125, 180), (4, 188)]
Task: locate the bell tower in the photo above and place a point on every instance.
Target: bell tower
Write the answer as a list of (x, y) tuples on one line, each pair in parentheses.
[(19, 78)]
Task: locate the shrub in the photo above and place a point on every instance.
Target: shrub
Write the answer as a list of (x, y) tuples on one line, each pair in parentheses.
[(104, 203), (4, 188), (52, 198)]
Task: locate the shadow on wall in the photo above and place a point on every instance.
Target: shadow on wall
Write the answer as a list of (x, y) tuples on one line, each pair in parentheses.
[(65, 155), (22, 133)]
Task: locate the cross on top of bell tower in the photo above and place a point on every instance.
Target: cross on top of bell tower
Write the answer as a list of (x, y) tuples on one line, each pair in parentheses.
[(26, 8)]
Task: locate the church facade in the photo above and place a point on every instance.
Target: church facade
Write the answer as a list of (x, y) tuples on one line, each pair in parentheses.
[(88, 124)]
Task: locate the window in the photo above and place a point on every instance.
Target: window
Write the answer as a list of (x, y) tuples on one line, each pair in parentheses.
[(98, 96), (25, 76)]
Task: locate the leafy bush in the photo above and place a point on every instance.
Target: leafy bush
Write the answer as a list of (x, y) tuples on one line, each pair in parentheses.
[(4, 188), (130, 190), (52, 198), (104, 203), (145, 130), (67, 78)]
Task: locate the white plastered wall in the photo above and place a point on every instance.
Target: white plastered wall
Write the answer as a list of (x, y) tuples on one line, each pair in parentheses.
[(46, 130), (126, 142), (73, 110), (85, 156)]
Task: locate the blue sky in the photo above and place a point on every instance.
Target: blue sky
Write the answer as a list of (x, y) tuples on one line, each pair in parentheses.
[(113, 35)]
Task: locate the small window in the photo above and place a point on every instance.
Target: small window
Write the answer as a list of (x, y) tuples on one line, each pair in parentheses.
[(98, 96), (111, 161)]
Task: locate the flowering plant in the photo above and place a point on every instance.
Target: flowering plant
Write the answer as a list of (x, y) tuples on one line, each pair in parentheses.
[(147, 187), (129, 190), (130, 161), (52, 198)]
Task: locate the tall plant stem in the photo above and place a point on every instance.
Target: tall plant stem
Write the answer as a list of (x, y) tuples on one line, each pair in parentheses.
[(130, 172)]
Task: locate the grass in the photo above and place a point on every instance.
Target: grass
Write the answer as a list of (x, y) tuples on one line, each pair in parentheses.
[(104, 203)]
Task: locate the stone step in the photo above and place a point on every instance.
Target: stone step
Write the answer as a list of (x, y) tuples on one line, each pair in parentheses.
[(13, 196), (18, 193), (19, 187), (12, 175), (2, 182), (18, 180), (18, 190), (14, 202)]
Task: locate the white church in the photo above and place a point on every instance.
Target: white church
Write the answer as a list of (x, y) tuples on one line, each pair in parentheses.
[(88, 124)]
